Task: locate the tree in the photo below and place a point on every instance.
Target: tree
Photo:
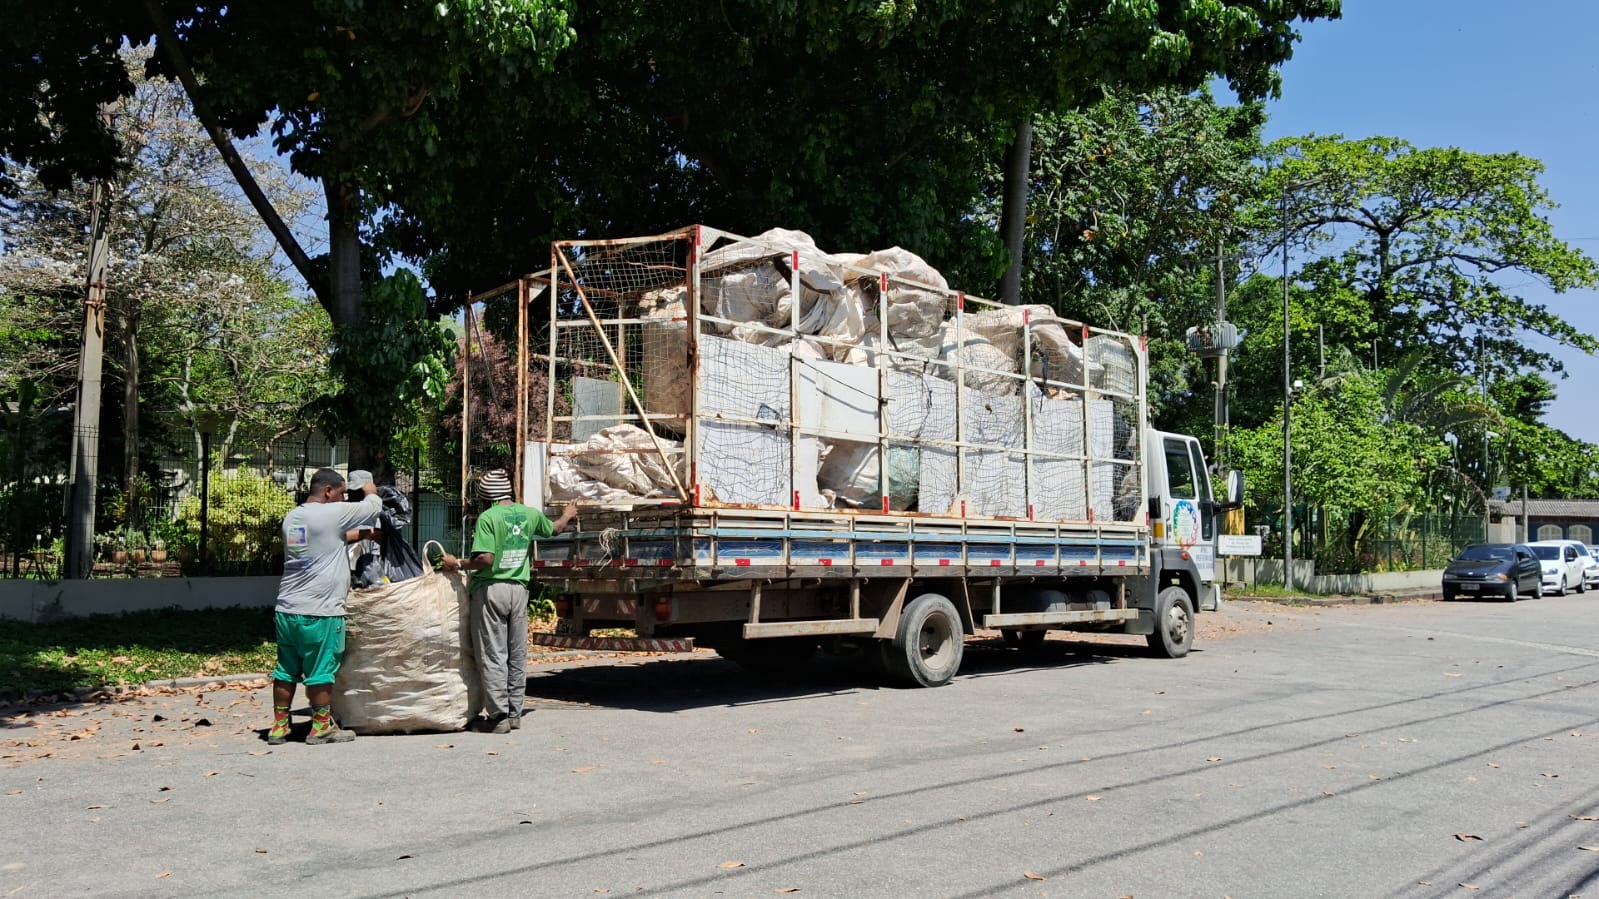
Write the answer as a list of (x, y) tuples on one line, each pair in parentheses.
[(1425, 243), (196, 313), (348, 91), (867, 125)]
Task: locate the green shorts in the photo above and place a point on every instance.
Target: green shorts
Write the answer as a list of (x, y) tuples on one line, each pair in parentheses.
[(309, 648)]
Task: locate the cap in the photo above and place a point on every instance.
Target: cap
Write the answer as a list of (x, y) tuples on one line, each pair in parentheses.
[(494, 486), (358, 479)]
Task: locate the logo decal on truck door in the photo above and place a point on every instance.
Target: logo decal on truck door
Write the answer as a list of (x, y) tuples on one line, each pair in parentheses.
[(1185, 523)]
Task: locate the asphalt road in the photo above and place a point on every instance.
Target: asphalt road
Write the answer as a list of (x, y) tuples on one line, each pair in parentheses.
[(1421, 749)]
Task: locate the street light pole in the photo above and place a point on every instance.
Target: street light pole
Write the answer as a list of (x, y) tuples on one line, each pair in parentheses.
[(1288, 445)]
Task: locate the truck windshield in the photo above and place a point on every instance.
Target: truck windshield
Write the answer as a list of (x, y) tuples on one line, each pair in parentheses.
[(1179, 472)]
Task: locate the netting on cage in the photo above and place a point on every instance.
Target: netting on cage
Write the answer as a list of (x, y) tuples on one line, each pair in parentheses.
[(799, 379), (618, 355)]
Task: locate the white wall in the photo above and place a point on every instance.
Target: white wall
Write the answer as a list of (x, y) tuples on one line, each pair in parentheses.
[(30, 600)]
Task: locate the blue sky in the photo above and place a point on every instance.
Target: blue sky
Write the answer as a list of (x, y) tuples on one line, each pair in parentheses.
[(1486, 76)]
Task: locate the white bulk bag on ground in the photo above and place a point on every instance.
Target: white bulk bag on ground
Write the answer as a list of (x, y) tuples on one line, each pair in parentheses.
[(408, 663)]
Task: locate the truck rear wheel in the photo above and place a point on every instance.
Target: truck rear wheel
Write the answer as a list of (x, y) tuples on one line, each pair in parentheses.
[(1174, 624), (927, 650)]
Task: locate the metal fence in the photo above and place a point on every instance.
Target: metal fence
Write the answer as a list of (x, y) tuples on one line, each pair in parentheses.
[(1353, 542), (212, 508)]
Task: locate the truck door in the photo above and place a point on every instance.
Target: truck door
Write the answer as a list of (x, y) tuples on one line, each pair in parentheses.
[(1190, 516)]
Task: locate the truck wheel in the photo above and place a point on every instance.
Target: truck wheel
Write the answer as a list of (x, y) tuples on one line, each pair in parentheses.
[(1174, 624), (1026, 641), (928, 647)]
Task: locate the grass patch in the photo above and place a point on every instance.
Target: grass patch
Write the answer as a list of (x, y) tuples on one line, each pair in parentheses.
[(133, 648), (1269, 591)]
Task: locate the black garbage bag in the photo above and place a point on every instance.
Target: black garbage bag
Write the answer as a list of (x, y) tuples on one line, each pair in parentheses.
[(395, 559)]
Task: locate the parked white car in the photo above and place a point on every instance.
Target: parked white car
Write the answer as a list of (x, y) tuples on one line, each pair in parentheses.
[(1590, 563), (1563, 567)]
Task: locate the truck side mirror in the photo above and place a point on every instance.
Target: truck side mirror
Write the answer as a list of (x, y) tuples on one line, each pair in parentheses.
[(1235, 489)]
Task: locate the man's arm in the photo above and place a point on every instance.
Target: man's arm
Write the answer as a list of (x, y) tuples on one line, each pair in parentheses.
[(358, 514)]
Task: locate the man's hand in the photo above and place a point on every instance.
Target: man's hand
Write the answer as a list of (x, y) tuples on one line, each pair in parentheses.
[(449, 563), (369, 488), (567, 514)]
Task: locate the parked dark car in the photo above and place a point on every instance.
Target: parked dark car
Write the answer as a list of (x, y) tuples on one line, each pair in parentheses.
[(1494, 569)]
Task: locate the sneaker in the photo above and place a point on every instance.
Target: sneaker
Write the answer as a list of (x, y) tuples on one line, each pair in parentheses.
[(516, 722), (331, 735), (499, 724)]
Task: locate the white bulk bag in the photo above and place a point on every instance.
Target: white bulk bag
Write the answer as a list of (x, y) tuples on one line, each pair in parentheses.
[(408, 663)]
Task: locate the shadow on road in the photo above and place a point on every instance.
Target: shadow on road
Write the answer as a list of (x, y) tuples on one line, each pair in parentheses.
[(669, 685)]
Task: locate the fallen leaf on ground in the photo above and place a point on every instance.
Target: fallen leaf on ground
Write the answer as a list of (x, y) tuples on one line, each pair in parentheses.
[(786, 890), (1031, 876), (203, 722), (1471, 886), (1572, 817), (583, 770), (261, 851), (1493, 764), (1589, 848), (260, 752), (1547, 774), (161, 800), (1214, 758), (1463, 837), (166, 873), (212, 773), (1092, 798), (1451, 674), (731, 865), (445, 746)]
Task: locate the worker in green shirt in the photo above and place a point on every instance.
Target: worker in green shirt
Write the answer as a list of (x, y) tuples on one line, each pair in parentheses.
[(499, 565)]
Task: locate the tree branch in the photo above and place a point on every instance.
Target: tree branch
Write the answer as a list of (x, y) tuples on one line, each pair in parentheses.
[(167, 38)]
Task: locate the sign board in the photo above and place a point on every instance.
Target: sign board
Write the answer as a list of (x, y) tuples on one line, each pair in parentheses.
[(1238, 544)]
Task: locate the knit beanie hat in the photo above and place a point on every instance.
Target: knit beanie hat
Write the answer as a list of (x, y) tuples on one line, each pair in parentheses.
[(494, 486)]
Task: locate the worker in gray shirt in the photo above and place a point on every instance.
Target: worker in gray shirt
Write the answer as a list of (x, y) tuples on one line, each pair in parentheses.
[(310, 612)]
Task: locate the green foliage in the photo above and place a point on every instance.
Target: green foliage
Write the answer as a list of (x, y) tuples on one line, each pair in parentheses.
[(1346, 455), (244, 520), (389, 368)]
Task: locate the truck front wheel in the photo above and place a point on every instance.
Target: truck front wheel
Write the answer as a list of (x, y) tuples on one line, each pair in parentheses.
[(1174, 624), (927, 650)]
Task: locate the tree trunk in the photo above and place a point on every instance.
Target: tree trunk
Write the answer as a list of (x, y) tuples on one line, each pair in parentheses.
[(130, 408), (344, 253), (1013, 218)]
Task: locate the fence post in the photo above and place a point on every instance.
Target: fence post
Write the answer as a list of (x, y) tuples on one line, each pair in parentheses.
[(205, 501), (416, 497)]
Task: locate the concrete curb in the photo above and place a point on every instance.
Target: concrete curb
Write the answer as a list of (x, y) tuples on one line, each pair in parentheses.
[(1352, 600)]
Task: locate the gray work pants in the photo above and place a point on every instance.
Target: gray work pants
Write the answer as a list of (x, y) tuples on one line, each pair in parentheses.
[(499, 639)]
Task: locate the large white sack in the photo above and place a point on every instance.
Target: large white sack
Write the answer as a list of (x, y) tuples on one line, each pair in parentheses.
[(625, 457), (911, 311), (568, 484), (1054, 352), (408, 663), (985, 363)]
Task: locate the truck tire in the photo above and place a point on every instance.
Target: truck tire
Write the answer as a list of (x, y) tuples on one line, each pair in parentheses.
[(927, 650), (1026, 641), (1174, 624)]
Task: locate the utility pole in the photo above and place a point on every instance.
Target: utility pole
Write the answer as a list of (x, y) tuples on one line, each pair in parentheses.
[(85, 468), (1288, 444), (1221, 361)]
